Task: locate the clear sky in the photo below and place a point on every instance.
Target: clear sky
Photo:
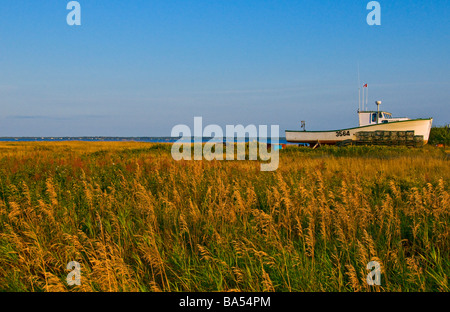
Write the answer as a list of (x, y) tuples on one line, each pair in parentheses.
[(140, 67)]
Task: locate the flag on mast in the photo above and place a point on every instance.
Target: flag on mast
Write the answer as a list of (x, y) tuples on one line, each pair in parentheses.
[(367, 93)]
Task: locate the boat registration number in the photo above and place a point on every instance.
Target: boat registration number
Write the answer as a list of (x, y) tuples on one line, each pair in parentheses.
[(341, 133)]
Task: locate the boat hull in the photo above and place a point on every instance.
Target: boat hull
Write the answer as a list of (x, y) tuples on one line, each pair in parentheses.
[(419, 126)]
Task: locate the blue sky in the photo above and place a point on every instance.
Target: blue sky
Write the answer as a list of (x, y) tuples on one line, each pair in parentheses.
[(138, 68)]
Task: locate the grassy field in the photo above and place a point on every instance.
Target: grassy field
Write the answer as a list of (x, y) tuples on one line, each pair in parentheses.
[(136, 220)]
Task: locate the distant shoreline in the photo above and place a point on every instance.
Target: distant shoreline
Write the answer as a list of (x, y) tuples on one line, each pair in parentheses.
[(116, 139)]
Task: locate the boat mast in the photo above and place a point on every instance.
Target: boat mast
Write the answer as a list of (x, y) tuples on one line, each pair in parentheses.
[(367, 94)]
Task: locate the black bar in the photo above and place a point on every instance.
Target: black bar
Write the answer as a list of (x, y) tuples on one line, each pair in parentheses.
[(222, 301)]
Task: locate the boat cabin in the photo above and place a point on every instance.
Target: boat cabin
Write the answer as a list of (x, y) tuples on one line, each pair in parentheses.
[(367, 118)]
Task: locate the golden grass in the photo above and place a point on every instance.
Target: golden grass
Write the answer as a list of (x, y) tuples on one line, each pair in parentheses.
[(136, 220)]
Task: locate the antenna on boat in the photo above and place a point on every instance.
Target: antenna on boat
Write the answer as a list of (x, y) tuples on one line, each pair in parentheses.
[(359, 91), (378, 109)]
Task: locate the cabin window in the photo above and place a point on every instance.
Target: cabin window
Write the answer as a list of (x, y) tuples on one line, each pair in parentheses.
[(374, 117)]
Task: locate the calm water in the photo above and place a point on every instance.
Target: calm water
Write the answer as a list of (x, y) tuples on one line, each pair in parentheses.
[(112, 139)]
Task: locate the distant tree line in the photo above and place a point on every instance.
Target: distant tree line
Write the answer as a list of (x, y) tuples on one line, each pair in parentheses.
[(440, 135)]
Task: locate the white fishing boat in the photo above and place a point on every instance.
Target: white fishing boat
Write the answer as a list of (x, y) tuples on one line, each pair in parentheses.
[(369, 121)]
